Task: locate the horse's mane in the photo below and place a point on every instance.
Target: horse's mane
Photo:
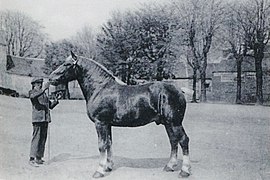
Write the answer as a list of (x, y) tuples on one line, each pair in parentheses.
[(103, 69)]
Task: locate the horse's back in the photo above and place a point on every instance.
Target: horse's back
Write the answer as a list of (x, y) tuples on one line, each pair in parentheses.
[(139, 105), (154, 91), (163, 98)]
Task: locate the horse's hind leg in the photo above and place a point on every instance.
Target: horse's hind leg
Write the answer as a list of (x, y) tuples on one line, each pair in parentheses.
[(177, 135), (184, 141), (174, 139)]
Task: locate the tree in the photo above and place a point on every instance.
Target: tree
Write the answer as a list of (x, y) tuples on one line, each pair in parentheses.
[(194, 64), (235, 35), (23, 36), (158, 25), (200, 20), (134, 42), (254, 18), (114, 47), (56, 53), (85, 40)]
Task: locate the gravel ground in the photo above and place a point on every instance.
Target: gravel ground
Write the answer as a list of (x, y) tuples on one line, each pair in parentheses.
[(230, 142)]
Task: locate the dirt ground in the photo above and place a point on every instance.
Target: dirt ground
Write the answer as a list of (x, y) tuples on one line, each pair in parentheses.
[(227, 142)]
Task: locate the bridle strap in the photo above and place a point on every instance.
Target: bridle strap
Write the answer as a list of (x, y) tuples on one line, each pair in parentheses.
[(75, 59), (75, 64)]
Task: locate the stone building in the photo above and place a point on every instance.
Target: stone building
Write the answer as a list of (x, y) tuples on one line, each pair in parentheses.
[(16, 74), (224, 81)]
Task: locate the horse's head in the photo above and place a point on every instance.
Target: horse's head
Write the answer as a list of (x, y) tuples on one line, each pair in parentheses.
[(65, 72)]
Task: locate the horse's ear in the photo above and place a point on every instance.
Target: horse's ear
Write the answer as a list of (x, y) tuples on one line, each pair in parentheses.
[(73, 55)]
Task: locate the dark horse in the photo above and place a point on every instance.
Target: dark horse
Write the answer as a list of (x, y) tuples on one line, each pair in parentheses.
[(110, 102)]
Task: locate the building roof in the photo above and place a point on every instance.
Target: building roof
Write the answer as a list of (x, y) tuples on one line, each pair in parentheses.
[(25, 66)]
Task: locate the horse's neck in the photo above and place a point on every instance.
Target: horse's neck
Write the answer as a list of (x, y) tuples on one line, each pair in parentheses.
[(91, 78)]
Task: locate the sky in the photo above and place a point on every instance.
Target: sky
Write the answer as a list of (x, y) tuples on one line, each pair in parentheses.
[(63, 18)]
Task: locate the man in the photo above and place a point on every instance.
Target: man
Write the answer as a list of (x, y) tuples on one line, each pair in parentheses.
[(41, 106)]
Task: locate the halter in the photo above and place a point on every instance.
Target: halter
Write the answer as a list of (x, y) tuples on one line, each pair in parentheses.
[(74, 59)]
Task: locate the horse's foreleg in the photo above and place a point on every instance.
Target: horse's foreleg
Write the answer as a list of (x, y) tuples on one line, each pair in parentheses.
[(174, 148), (184, 141), (102, 132), (109, 151)]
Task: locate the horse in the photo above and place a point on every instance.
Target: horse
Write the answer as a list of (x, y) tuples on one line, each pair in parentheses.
[(110, 102)]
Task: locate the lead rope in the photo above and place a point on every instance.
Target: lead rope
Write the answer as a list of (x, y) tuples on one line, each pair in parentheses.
[(49, 136)]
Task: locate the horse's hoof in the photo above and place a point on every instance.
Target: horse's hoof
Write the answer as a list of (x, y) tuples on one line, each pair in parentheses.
[(168, 169), (98, 175), (183, 174), (108, 169)]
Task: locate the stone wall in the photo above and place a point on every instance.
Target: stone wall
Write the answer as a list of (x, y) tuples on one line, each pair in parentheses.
[(224, 87), (75, 90)]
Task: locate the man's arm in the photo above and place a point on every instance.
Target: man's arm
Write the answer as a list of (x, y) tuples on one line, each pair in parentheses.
[(55, 102), (36, 93)]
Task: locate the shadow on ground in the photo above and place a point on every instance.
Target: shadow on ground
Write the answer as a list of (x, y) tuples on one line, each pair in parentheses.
[(144, 163)]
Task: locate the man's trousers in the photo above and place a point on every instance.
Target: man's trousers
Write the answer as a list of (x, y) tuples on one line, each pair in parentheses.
[(39, 138)]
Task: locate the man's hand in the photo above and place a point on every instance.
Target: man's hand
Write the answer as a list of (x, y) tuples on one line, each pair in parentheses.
[(58, 95), (46, 86)]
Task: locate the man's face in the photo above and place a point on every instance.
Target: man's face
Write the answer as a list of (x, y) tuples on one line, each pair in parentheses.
[(38, 85)]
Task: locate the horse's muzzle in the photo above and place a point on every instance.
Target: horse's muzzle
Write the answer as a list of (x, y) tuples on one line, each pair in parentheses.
[(53, 82)]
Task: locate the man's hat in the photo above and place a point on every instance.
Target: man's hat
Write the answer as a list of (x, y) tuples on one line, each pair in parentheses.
[(37, 80)]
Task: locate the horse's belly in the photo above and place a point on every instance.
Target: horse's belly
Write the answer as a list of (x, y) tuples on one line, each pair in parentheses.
[(134, 118)]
